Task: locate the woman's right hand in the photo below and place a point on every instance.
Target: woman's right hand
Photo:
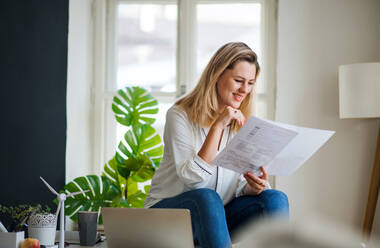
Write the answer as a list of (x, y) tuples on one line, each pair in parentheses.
[(229, 114), (211, 144)]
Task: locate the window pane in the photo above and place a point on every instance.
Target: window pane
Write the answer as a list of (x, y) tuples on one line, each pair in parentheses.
[(146, 46), (261, 108), (218, 24)]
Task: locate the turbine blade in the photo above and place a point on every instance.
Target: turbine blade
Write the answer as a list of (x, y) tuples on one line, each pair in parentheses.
[(51, 188)]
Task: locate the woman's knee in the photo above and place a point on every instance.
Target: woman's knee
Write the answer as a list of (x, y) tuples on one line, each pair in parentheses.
[(275, 201), (208, 205), (274, 194), (206, 196)]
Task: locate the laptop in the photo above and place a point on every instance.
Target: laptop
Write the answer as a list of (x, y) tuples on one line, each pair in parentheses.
[(140, 228)]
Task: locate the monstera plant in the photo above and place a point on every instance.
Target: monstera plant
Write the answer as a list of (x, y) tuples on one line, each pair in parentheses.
[(137, 156)]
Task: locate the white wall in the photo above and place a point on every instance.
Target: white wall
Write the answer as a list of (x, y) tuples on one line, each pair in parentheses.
[(314, 38), (79, 78)]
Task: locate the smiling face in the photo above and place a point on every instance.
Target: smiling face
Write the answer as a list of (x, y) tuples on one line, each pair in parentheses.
[(235, 84)]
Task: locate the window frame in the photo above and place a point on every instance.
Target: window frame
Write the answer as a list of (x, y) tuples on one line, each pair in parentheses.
[(105, 69)]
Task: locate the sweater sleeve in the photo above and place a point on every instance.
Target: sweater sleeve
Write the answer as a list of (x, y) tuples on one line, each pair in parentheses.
[(179, 141)]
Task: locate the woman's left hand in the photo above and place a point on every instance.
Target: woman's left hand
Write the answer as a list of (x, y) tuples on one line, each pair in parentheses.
[(255, 184)]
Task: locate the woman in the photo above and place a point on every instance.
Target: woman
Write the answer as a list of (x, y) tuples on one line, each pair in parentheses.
[(197, 127)]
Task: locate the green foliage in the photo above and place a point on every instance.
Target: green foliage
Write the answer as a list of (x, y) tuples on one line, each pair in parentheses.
[(101, 193), (142, 141), (138, 155), (112, 173), (22, 212), (134, 106)]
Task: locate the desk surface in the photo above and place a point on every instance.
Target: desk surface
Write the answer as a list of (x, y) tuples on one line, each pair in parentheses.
[(104, 245), (98, 245)]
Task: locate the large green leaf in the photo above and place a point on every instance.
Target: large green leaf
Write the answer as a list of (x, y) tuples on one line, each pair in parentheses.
[(147, 188), (119, 202), (118, 174), (145, 171), (131, 164), (112, 173), (101, 193), (132, 187), (134, 106), (141, 140), (137, 199)]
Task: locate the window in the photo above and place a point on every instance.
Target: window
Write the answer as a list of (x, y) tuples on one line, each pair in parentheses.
[(145, 52), (163, 46)]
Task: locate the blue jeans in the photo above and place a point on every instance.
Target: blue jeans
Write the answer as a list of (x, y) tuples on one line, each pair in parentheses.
[(213, 223)]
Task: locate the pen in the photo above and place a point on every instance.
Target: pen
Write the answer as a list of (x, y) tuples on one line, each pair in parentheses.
[(2, 227)]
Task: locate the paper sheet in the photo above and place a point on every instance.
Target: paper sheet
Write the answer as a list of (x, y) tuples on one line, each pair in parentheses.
[(280, 148)]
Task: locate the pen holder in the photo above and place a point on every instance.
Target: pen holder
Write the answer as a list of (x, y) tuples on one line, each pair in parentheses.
[(87, 222), (11, 239)]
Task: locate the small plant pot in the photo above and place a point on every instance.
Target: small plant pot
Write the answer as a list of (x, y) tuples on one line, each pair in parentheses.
[(11, 239), (43, 228)]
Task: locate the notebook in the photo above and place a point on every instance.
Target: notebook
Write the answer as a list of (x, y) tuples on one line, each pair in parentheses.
[(140, 228)]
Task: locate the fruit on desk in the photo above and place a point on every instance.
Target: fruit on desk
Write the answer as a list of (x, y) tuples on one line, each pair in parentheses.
[(30, 243)]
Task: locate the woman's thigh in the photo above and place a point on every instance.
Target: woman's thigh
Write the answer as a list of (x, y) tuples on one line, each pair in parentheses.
[(193, 199), (244, 209)]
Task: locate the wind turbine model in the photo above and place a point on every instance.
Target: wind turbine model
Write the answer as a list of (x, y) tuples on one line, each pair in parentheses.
[(61, 206)]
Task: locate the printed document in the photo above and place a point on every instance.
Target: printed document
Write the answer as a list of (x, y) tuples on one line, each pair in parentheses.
[(280, 148)]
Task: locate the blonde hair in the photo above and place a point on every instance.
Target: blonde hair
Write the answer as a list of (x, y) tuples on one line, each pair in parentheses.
[(201, 104)]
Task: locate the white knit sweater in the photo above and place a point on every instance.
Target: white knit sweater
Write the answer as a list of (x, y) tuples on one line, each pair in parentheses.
[(182, 169)]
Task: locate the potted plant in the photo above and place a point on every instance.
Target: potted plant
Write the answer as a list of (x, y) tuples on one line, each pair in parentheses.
[(19, 216), (42, 226), (138, 155)]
